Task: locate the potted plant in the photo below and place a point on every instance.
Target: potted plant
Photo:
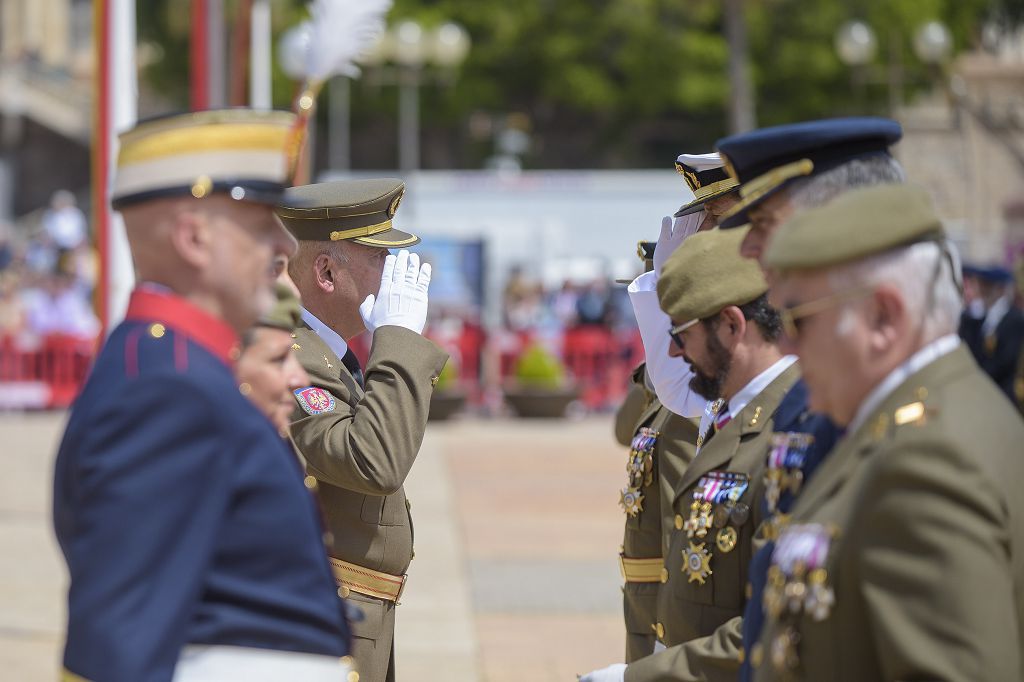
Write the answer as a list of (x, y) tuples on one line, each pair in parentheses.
[(540, 387), (448, 397)]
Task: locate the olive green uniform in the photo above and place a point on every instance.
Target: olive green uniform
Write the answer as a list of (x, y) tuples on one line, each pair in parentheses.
[(904, 556), (711, 544), (359, 452), (666, 445)]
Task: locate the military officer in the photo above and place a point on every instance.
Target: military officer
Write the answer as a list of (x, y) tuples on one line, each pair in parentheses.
[(166, 473), (993, 327), (725, 329), (268, 370), (785, 170), (903, 556), (714, 192), (360, 433), (661, 445)]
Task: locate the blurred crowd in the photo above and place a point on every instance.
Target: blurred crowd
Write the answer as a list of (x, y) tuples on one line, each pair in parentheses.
[(528, 306), (47, 275)]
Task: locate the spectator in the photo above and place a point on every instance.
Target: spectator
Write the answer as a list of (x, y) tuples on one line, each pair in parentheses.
[(58, 307), (64, 222)]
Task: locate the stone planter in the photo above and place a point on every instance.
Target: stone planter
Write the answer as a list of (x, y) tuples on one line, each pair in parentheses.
[(444, 404), (540, 402)]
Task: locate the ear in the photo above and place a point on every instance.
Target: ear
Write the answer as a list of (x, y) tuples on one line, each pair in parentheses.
[(191, 236), (888, 321), (732, 326), (323, 273)]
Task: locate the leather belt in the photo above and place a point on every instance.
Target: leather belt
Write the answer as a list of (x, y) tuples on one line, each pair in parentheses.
[(641, 570), (367, 581)]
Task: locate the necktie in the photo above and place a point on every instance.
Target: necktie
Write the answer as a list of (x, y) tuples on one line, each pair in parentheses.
[(352, 365), (722, 418)]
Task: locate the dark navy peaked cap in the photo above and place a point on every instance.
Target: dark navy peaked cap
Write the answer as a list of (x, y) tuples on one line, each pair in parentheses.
[(766, 160)]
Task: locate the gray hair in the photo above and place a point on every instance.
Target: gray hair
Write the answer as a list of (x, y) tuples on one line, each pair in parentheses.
[(924, 275), (817, 190), (309, 251)]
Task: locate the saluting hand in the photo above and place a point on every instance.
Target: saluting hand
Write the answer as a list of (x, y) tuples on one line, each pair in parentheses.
[(613, 673), (402, 298), (674, 233)]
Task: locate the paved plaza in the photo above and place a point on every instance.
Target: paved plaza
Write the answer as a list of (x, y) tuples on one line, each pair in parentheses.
[(515, 576)]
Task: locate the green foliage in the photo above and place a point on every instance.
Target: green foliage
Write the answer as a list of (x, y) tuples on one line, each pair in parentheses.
[(449, 376), (613, 83), (538, 368)]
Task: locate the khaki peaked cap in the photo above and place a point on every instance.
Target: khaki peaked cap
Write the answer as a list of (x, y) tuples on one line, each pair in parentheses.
[(706, 274), (358, 210), (855, 225), (286, 312)]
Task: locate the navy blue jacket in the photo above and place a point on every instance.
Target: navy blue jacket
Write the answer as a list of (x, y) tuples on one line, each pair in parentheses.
[(791, 417), (180, 511)]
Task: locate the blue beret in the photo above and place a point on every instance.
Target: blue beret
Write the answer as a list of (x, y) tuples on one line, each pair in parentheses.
[(766, 160)]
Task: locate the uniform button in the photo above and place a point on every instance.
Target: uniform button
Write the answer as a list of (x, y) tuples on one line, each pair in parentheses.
[(742, 655), (157, 330), (344, 591), (310, 482), (679, 522), (329, 539), (352, 677), (244, 388), (664, 575), (757, 655), (347, 660), (659, 630), (750, 590), (433, 381)]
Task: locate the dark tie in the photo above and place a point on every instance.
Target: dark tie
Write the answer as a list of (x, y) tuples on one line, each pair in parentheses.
[(352, 365)]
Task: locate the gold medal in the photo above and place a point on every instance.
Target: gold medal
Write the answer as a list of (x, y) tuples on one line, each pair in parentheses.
[(697, 563), (783, 650), (704, 520), (726, 540), (632, 501)]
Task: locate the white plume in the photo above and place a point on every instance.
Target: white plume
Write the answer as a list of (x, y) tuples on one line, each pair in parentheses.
[(342, 30)]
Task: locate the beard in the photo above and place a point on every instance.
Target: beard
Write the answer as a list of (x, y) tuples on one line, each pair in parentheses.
[(707, 381)]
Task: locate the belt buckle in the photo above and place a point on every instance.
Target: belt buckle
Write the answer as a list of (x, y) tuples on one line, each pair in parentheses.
[(401, 589)]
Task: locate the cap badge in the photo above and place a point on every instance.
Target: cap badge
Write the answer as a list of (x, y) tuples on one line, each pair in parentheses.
[(393, 208)]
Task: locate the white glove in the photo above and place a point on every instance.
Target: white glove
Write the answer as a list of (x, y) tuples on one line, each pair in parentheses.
[(402, 299), (613, 673), (674, 233)]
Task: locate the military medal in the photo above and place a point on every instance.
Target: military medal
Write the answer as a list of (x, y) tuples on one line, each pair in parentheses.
[(639, 470), (721, 516), (783, 650), (772, 599), (632, 501), (726, 540), (697, 563), (820, 597), (739, 513)]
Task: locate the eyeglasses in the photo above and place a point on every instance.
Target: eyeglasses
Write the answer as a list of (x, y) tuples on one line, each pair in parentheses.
[(792, 317), (676, 333)]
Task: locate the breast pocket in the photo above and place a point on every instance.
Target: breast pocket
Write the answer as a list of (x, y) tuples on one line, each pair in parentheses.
[(372, 622)]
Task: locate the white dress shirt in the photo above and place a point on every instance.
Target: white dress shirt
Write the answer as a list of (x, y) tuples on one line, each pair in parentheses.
[(326, 334)]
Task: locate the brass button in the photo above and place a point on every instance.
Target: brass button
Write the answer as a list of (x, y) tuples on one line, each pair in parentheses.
[(679, 522), (742, 654), (310, 482), (296, 346), (347, 660), (433, 381), (659, 630), (757, 655), (352, 677), (749, 591), (344, 591), (157, 330), (664, 575), (244, 388)]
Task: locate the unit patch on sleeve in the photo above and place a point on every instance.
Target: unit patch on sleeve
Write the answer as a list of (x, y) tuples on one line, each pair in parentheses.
[(315, 400)]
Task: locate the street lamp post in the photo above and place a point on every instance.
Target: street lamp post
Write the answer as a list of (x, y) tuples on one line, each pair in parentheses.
[(412, 49)]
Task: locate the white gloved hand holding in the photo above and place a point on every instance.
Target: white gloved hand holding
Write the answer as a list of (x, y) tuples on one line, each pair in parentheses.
[(613, 673), (673, 233), (402, 299)]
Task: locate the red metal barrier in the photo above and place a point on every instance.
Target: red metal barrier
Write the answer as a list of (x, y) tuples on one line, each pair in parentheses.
[(48, 374)]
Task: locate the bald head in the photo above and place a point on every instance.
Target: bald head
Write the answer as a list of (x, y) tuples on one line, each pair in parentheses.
[(215, 251)]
